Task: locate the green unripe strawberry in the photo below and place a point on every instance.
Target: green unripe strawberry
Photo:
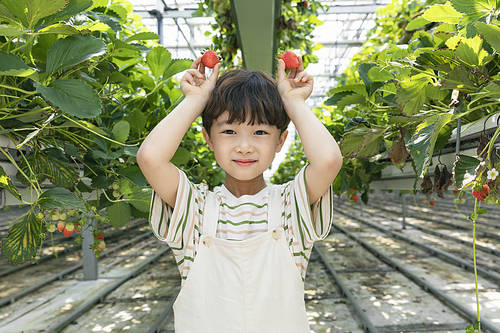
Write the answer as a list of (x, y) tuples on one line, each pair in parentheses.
[(51, 227), (101, 244), (115, 186), (70, 226), (54, 216), (62, 216)]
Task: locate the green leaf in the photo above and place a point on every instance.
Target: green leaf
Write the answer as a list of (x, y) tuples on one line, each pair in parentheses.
[(363, 70), (140, 199), (73, 50), (6, 182), (10, 30), (474, 6), (148, 35), (416, 23), (61, 29), (50, 163), (23, 240), (29, 12), (490, 33), (459, 79), (442, 13), (72, 8), (181, 156), (58, 197), (378, 74), (471, 52), (121, 130), (464, 170), (74, 97), (424, 139), (11, 64), (362, 142), (177, 66), (7, 15), (134, 174), (137, 120), (119, 214), (158, 60), (411, 93)]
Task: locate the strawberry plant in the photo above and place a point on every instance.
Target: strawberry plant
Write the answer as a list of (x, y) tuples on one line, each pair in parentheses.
[(82, 83)]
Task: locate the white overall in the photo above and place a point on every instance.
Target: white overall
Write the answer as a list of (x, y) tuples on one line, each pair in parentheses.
[(248, 286)]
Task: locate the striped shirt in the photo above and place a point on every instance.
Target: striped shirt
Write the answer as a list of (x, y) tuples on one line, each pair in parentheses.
[(241, 218)]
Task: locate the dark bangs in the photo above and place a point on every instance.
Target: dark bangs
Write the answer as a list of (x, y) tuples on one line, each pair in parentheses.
[(251, 95)]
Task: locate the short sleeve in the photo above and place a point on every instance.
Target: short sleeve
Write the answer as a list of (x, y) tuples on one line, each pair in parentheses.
[(311, 223), (177, 226)]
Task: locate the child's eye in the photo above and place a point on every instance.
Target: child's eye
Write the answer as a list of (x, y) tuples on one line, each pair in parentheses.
[(227, 130), (262, 131)]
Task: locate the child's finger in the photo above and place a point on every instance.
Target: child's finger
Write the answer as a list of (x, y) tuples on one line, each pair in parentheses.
[(293, 73), (301, 65), (281, 70), (195, 63), (202, 68), (215, 73)]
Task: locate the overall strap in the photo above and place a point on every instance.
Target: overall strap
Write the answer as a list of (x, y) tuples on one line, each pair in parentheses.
[(274, 207), (211, 212)]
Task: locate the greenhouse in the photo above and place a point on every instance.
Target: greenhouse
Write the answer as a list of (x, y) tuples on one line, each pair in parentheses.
[(160, 166)]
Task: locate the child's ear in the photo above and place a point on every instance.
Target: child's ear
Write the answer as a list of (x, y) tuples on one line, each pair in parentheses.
[(207, 138), (281, 140)]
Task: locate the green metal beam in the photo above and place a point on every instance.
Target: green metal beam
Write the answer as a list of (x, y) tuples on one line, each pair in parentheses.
[(255, 22)]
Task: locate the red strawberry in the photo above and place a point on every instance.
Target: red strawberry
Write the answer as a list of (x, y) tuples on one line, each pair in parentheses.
[(431, 202), (61, 225), (455, 191), (304, 4), (210, 59), (478, 195), (78, 228), (486, 189), (100, 236), (355, 198), (67, 233), (291, 60)]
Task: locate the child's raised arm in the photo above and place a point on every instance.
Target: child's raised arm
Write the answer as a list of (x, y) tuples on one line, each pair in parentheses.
[(158, 148)]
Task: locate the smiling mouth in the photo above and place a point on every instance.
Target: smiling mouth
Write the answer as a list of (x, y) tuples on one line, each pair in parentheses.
[(240, 162)]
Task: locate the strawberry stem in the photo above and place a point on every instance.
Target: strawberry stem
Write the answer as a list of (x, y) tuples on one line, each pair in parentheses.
[(474, 256)]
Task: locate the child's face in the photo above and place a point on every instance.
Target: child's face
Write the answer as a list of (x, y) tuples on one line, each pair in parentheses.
[(242, 141)]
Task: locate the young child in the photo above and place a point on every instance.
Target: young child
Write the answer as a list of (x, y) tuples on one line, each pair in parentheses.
[(242, 248)]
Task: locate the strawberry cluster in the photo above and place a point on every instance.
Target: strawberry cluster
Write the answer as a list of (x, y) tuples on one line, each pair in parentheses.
[(482, 193), (99, 244)]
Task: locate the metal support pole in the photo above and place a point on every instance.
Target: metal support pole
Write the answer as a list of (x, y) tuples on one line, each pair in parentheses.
[(457, 147), (159, 19), (90, 271), (403, 201)]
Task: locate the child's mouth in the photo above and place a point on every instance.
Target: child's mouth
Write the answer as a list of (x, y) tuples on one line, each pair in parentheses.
[(244, 163)]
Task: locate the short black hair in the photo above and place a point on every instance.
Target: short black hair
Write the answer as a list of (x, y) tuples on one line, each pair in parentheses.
[(246, 94)]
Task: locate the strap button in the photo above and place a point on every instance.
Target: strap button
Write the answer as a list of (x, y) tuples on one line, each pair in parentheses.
[(206, 241), (276, 234)]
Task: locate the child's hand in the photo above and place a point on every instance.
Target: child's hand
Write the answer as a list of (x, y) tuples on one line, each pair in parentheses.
[(194, 82), (298, 85)]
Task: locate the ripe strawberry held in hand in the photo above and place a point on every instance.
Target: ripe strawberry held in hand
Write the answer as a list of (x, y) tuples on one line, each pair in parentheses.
[(210, 58), (291, 60)]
